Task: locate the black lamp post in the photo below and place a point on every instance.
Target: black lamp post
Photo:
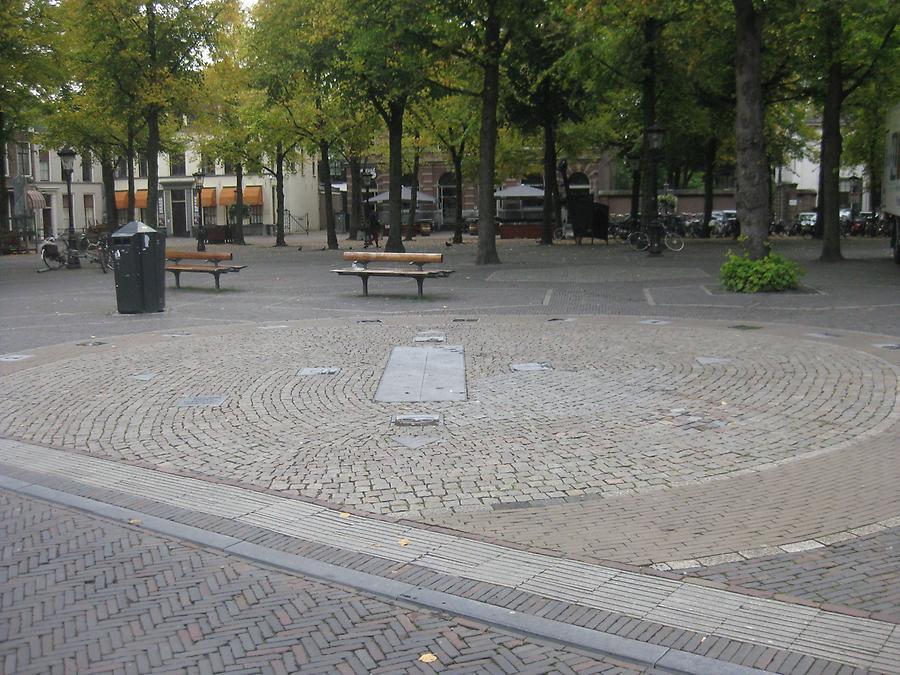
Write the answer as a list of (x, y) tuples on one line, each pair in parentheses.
[(67, 156), (654, 137), (855, 182), (201, 232)]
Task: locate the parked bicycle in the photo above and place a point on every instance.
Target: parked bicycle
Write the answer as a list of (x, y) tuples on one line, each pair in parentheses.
[(54, 252), (640, 240)]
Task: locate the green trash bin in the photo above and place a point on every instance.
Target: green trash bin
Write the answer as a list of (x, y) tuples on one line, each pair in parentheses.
[(139, 253)]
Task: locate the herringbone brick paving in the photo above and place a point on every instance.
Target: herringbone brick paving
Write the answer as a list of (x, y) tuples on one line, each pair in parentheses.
[(79, 594)]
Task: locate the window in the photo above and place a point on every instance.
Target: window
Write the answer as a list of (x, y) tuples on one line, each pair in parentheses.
[(208, 165), (87, 168), (209, 216), (23, 159), (44, 165), (256, 214), (89, 210), (143, 169), (229, 168), (177, 165), (121, 168)]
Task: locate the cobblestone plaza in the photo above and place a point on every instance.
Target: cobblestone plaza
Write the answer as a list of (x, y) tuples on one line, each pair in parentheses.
[(618, 410)]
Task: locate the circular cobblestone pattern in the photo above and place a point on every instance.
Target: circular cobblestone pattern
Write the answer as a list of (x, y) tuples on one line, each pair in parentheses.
[(625, 407)]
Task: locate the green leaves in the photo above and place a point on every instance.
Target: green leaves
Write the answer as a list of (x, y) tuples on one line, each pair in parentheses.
[(771, 273)]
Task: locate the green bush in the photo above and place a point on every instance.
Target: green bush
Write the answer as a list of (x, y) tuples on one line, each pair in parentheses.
[(772, 273)]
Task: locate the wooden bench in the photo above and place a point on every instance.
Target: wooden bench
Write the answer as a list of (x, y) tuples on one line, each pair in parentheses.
[(212, 266), (362, 259)]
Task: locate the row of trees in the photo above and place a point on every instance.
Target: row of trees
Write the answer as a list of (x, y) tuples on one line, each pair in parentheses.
[(492, 84)]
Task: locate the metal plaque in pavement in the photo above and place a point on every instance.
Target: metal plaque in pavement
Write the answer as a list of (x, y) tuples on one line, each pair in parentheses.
[(424, 374), (201, 401)]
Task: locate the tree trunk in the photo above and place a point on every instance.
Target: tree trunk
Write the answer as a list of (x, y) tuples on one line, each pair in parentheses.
[(635, 195), (394, 241), (355, 196), (325, 177), (752, 170), (279, 196), (830, 160), (549, 181), (153, 166), (490, 94), (238, 235), (129, 159), (413, 195), (709, 179), (108, 173), (649, 158), (4, 195), (457, 158)]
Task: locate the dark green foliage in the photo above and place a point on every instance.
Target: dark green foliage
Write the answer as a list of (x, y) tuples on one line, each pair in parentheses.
[(771, 273)]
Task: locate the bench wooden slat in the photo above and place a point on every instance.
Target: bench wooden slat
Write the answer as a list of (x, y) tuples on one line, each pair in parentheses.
[(368, 256), (212, 256)]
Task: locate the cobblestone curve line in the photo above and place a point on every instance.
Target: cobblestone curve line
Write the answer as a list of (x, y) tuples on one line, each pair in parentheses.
[(627, 409), (806, 630), (833, 539)]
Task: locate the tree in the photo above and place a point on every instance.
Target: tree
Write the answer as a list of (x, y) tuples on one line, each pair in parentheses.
[(451, 121), (388, 52), (853, 43), (753, 205), (27, 74)]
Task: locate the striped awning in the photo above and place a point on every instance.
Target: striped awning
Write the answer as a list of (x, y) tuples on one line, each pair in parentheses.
[(208, 196), (228, 196), (35, 199), (253, 195)]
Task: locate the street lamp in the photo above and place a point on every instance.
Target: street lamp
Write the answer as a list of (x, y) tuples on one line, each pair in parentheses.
[(855, 182), (67, 156), (201, 233), (653, 139)]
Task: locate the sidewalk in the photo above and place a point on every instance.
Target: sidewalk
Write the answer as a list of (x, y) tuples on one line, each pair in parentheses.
[(424, 567)]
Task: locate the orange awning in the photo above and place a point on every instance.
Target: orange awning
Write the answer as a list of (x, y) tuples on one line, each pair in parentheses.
[(140, 199), (208, 196), (253, 195), (121, 199), (227, 196)]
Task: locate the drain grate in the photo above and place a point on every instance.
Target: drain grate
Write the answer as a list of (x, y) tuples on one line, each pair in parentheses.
[(305, 372), (369, 321), (655, 322), (530, 367), (464, 320), (90, 343), (890, 345), (415, 420), (822, 336), (743, 326)]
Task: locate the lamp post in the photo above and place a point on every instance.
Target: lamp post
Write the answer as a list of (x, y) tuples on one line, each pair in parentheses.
[(201, 233), (855, 182), (67, 156), (633, 160), (653, 138)]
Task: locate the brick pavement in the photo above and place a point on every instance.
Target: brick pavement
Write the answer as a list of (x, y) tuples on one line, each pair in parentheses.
[(79, 594), (860, 572), (646, 607)]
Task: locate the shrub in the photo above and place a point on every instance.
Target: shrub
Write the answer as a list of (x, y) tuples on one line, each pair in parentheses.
[(772, 273)]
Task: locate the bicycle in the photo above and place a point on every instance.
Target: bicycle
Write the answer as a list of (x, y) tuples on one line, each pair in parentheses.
[(640, 240), (55, 252)]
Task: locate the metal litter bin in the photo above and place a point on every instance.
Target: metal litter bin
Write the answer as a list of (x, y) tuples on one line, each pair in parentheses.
[(139, 252)]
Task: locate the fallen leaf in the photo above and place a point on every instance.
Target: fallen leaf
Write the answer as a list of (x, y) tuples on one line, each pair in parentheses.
[(134, 521), (344, 514), (404, 542), (428, 657)]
